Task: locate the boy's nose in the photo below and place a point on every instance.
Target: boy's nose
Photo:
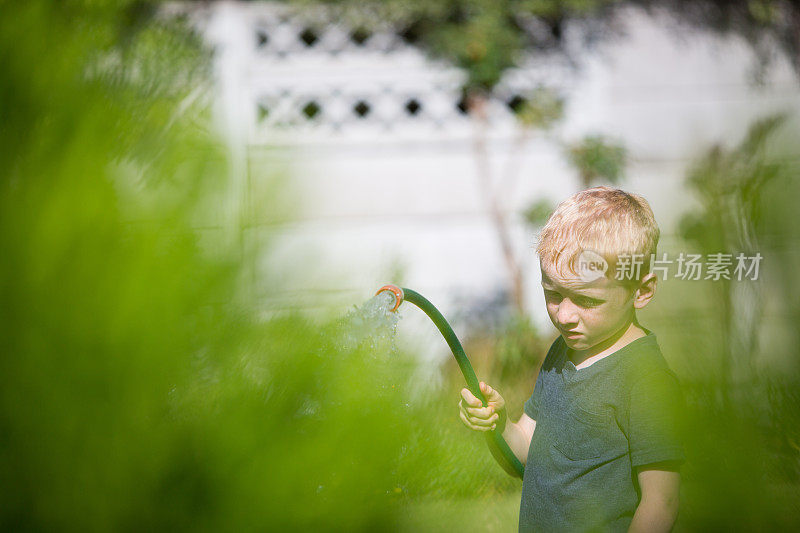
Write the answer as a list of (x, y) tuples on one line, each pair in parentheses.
[(567, 315)]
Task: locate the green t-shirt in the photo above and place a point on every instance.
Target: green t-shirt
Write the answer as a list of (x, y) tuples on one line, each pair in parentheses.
[(594, 427)]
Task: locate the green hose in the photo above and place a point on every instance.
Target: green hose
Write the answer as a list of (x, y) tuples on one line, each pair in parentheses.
[(494, 438)]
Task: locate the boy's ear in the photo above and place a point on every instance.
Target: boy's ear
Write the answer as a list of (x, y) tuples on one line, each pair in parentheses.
[(646, 291)]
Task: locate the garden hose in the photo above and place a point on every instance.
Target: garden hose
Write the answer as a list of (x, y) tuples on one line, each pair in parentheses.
[(493, 438)]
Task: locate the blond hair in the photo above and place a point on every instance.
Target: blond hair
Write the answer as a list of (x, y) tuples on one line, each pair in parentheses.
[(604, 220)]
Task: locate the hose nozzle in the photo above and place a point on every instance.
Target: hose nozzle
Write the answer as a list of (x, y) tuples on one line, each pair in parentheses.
[(398, 295)]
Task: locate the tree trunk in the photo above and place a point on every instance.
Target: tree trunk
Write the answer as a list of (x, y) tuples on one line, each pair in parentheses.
[(476, 105)]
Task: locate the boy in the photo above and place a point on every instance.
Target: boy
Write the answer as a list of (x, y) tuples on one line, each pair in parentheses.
[(598, 436)]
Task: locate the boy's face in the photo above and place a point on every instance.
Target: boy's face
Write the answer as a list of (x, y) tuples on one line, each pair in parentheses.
[(588, 313)]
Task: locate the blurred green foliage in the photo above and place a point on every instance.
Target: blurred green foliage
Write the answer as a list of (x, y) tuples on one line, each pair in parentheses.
[(538, 212), (483, 37), (598, 159), (768, 26), (740, 338), (140, 389), (541, 109)]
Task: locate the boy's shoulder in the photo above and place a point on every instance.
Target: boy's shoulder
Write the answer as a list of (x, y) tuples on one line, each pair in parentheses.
[(557, 348), (645, 355)]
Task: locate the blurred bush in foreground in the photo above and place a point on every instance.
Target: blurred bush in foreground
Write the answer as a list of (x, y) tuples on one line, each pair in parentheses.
[(138, 389), (741, 371)]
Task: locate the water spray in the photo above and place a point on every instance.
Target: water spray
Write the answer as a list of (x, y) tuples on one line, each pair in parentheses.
[(494, 438)]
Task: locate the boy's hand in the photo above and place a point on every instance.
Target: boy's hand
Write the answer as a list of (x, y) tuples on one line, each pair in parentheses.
[(480, 418)]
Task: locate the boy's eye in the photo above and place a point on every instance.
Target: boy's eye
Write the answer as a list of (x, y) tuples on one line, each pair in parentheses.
[(552, 295), (587, 302)]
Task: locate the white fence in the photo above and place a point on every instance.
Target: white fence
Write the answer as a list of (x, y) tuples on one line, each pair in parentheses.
[(382, 157)]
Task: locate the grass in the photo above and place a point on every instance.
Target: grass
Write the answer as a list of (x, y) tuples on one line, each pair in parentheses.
[(492, 514)]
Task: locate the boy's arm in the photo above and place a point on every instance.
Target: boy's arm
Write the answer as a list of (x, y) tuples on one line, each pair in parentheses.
[(658, 507), (519, 435)]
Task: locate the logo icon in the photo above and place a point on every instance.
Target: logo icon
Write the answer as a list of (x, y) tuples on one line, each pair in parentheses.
[(591, 266)]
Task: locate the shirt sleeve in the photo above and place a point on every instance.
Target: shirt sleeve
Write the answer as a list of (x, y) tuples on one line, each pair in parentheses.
[(656, 410), (532, 406)]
